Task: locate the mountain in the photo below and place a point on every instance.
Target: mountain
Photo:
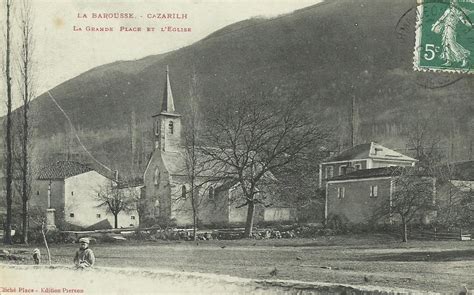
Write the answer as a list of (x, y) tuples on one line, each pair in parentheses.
[(327, 54)]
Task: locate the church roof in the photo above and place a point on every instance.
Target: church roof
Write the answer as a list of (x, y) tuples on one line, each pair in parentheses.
[(175, 163), (62, 170), (370, 150)]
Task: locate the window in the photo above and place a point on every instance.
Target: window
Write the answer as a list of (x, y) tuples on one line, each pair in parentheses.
[(132, 217), (329, 171), (183, 192), (171, 127), (342, 170), (37, 193), (98, 215), (157, 128), (156, 177), (211, 193), (71, 215), (374, 191), (72, 193), (357, 166), (340, 192)]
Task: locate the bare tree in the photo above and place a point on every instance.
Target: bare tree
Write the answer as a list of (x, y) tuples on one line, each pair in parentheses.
[(191, 156), (22, 158), (455, 202), (412, 197), (8, 126), (301, 181), (252, 136), (115, 200), (425, 142)]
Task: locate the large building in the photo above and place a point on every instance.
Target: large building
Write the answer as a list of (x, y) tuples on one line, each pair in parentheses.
[(360, 180), (360, 196), (167, 183), (68, 192)]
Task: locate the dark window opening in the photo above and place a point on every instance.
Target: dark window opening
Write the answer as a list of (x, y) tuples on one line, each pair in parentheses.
[(211, 193), (171, 127), (71, 214), (183, 191)]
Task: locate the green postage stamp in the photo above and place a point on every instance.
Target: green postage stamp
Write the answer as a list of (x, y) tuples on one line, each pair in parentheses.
[(445, 36)]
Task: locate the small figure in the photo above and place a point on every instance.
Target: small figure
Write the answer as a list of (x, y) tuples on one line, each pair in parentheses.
[(36, 256), (84, 256), (274, 272)]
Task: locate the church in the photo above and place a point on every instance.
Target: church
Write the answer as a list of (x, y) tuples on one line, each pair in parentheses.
[(167, 185)]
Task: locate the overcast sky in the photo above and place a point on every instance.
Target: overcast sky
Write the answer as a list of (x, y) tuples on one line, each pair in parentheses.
[(62, 53)]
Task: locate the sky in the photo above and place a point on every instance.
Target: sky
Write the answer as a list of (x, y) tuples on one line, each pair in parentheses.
[(62, 51)]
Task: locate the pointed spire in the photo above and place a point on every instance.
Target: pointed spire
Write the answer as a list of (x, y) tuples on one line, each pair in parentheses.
[(168, 103)]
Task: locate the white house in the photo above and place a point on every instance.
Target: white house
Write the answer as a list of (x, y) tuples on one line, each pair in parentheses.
[(69, 190)]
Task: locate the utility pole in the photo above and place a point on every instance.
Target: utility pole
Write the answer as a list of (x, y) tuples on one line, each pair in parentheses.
[(354, 121)]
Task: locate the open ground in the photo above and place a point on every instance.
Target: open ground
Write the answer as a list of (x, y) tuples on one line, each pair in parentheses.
[(371, 260)]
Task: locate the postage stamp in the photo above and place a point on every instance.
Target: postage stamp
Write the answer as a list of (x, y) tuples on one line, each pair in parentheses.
[(445, 36)]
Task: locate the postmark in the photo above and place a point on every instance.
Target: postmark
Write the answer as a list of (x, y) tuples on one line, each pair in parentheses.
[(445, 36)]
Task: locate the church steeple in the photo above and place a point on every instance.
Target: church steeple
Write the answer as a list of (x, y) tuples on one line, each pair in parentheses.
[(167, 124), (167, 105)]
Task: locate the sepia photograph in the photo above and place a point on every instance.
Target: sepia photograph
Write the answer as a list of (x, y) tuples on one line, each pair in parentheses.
[(237, 147)]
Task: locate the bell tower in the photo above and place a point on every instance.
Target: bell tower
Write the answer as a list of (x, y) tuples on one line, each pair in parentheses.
[(167, 124)]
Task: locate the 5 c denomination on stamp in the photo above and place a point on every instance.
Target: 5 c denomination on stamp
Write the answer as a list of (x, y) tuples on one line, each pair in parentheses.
[(445, 36)]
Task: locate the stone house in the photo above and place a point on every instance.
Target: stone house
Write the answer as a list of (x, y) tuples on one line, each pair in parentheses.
[(357, 196), (167, 183), (67, 191)]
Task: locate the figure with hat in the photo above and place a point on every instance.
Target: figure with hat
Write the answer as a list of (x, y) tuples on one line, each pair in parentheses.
[(37, 256), (84, 256)]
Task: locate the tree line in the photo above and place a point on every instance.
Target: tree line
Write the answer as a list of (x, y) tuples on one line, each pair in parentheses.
[(18, 79)]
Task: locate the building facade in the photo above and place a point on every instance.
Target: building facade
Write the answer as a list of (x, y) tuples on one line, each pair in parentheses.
[(363, 196), (167, 182), (69, 190)]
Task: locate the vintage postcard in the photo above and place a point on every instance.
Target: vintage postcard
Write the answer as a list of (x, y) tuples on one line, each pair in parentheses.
[(236, 146)]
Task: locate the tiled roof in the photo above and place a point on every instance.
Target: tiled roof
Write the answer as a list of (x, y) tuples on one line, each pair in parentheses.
[(370, 150), (360, 151), (381, 172), (62, 170), (370, 173)]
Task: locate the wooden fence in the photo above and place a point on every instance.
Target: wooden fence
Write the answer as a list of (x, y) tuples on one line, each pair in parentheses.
[(439, 235)]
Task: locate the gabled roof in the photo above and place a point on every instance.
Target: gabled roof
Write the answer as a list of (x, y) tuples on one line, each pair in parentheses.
[(62, 170), (206, 166), (370, 150), (379, 172)]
